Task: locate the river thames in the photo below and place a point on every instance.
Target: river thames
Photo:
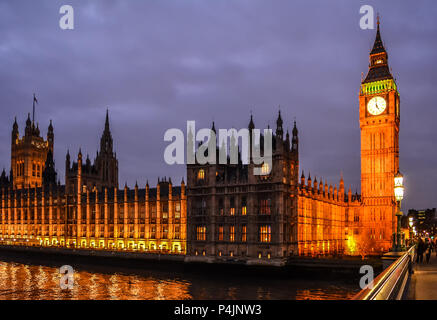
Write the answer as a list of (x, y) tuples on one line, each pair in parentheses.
[(34, 281)]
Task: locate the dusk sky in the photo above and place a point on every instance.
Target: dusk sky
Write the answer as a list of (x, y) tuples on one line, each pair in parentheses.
[(157, 64)]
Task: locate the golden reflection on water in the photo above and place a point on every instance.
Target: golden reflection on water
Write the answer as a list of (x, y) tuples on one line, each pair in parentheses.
[(20, 281), (32, 282)]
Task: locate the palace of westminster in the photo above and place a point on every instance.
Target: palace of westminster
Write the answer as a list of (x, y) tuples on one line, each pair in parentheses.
[(223, 212)]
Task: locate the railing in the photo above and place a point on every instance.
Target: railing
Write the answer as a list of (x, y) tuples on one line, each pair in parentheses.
[(391, 283)]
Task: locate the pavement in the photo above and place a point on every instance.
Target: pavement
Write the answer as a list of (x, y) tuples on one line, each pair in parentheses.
[(423, 283)]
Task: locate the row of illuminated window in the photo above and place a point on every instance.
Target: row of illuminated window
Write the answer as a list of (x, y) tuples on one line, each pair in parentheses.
[(231, 253), (265, 170), (265, 206), (131, 210), (37, 169), (121, 232), (264, 233)]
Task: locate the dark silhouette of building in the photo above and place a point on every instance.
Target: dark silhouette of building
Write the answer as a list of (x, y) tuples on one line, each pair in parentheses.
[(234, 214), (102, 173)]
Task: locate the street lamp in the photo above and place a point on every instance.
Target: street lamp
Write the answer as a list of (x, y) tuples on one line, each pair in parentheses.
[(399, 195), (411, 228)]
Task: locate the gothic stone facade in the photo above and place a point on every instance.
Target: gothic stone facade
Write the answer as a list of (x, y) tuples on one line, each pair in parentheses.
[(234, 214), (227, 213), (89, 211)]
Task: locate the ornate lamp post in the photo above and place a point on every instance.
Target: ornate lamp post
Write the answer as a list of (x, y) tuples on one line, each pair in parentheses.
[(399, 195)]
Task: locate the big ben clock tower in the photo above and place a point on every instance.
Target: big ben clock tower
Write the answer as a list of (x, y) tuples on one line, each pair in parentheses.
[(379, 124)]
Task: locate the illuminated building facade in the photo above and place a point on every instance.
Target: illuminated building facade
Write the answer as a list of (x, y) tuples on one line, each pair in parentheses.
[(379, 124), (90, 211), (308, 218), (29, 154), (226, 213), (149, 219), (325, 217)]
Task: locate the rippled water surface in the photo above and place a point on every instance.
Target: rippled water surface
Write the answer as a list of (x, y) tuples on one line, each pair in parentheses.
[(28, 281)]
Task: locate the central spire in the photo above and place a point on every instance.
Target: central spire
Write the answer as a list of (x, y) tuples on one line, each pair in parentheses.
[(378, 69), (106, 139), (107, 120), (378, 46)]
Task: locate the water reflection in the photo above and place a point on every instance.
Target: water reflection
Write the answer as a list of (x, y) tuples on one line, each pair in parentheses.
[(37, 282)]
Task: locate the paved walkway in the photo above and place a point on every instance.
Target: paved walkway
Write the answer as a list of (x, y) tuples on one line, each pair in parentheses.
[(423, 283)]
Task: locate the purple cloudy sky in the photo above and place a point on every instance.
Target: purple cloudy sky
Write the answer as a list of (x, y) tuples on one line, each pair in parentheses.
[(157, 64)]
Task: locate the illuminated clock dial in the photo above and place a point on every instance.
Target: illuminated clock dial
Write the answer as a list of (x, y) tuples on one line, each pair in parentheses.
[(376, 105)]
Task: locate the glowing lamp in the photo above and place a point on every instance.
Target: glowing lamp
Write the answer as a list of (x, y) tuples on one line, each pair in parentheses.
[(399, 186)]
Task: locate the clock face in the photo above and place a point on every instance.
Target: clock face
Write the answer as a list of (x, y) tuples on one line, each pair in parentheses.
[(376, 105)]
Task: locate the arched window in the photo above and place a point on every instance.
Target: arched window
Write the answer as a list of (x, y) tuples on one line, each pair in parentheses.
[(201, 174)]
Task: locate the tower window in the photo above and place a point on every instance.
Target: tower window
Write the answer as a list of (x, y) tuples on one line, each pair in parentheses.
[(220, 233), (265, 169), (201, 174), (221, 207), (265, 206), (232, 209), (177, 214), (243, 233), (265, 233), (201, 233), (232, 233), (244, 206)]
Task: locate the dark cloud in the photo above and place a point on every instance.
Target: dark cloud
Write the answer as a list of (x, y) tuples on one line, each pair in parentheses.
[(157, 64)]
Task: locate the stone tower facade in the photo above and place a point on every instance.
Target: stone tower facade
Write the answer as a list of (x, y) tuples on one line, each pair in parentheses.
[(236, 215), (29, 155), (379, 123)]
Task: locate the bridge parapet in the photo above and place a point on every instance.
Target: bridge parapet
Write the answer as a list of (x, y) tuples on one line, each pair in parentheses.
[(391, 284)]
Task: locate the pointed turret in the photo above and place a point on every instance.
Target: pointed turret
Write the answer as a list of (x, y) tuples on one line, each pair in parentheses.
[(341, 188), (183, 188), (107, 120), (49, 174), (15, 133), (106, 141), (50, 136), (279, 129), (295, 139), (378, 69), (28, 130), (378, 46)]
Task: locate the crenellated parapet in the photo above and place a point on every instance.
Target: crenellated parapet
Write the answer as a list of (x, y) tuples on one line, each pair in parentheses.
[(320, 190)]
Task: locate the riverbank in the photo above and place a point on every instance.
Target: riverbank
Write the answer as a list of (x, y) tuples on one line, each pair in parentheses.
[(321, 268)]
